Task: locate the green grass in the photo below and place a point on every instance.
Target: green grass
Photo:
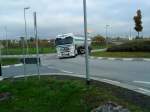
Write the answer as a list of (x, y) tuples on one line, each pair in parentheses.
[(94, 47), (10, 61), (122, 54), (59, 94), (19, 51)]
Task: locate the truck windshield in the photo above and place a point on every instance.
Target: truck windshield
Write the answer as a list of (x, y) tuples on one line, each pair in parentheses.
[(67, 40)]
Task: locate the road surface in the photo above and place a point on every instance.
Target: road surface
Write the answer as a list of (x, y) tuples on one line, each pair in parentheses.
[(135, 73)]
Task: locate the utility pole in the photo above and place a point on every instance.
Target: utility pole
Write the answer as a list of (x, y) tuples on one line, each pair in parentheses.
[(24, 56), (25, 43), (37, 44), (86, 43), (0, 59), (26, 34), (130, 38)]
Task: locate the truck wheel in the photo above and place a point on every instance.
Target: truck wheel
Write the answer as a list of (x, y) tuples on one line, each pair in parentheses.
[(82, 51), (90, 49), (78, 51)]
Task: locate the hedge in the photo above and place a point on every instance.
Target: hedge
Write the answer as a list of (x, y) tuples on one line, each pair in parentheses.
[(132, 46)]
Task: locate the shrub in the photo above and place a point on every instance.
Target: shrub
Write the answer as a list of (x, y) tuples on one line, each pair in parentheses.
[(132, 46), (98, 40)]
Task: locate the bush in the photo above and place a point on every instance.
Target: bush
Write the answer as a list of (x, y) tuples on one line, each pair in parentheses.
[(132, 46), (98, 40)]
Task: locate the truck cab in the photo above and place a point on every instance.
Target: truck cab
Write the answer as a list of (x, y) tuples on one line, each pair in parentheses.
[(69, 45)]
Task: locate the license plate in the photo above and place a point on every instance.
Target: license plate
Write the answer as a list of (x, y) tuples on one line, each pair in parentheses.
[(65, 54)]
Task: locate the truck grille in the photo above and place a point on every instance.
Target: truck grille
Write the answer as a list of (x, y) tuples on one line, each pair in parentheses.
[(65, 49)]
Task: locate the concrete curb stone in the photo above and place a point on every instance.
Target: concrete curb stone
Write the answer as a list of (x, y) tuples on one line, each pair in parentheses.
[(121, 59)]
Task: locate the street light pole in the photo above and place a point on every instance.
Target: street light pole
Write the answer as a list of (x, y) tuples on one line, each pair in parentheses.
[(86, 43), (26, 34), (130, 32), (0, 59), (24, 58), (37, 44), (24, 42)]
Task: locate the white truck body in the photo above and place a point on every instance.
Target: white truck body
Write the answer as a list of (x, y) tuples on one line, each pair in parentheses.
[(69, 45)]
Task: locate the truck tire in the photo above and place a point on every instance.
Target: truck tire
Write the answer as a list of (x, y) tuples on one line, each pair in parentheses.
[(82, 51), (78, 51), (90, 49)]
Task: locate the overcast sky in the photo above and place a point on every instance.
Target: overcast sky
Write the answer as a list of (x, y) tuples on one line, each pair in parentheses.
[(64, 16)]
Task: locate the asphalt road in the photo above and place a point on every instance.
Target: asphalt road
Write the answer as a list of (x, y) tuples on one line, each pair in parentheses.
[(10, 71), (123, 71), (135, 73)]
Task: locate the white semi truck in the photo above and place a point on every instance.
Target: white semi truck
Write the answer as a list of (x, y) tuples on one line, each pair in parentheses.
[(69, 45)]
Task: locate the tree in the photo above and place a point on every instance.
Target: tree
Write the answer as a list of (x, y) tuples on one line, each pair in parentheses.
[(98, 40), (32, 39), (138, 22)]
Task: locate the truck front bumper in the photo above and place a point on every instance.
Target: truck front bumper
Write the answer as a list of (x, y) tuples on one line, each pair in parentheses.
[(65, 55)]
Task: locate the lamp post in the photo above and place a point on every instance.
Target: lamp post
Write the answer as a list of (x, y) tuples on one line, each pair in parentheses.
[(37, 44), (1, 47), (86, 43), (0, 61), (24, 58), (26, 34), (24, 41)]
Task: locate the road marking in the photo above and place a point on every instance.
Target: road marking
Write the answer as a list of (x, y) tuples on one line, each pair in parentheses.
[(144, 90), (16, 65), (61, 70), (51, 67), (111, 58), (100, 58), (6, 66), (142, 82), (66, 71), (92, 57), (146, 59), (127, 59), (20, 76), (110, 81)]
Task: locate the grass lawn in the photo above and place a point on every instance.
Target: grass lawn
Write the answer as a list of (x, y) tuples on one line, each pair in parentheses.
[(122, 54), (10, 61), (19, 51), (94, 47), (66, 94)]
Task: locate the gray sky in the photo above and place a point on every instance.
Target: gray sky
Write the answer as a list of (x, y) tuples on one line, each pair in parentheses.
[(65, 16)]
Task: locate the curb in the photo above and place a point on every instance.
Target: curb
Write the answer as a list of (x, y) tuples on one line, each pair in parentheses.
[(1, 78), (121, 59), (15, 65)]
